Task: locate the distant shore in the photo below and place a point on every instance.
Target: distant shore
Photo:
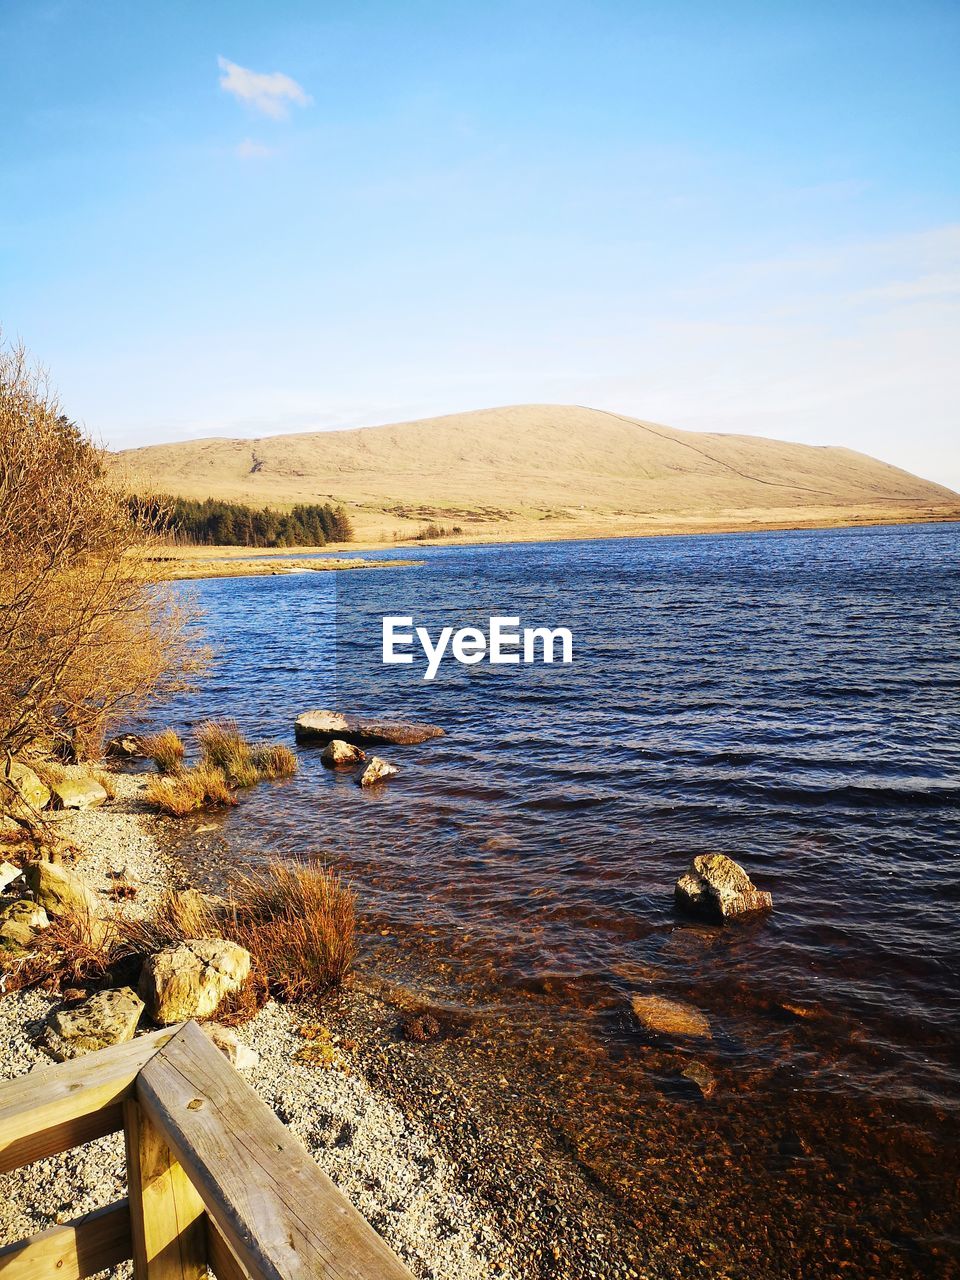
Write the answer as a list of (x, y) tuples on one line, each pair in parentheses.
[(194, 562)]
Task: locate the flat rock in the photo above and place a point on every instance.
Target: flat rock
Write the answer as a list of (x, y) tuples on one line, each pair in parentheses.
[(338, 754), (190, 979), (77, 792), (107, 1018), (228, 1042), (323, 726), (717, 888), (376, 771), (22, 794), (670, 1017)]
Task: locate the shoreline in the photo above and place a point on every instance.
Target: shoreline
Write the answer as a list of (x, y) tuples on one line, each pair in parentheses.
[(188, 563), (427, 1140)]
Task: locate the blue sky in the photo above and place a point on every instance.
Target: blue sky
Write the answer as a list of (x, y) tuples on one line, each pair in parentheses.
[(241, 218)]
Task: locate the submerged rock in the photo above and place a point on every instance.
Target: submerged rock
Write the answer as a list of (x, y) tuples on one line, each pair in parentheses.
[(107, 1018), (77, 791), (339, 754), (671, 1017), (700, 1075), (718, 888), (190, 979), (376, 771), (22, 793), (322, 726)]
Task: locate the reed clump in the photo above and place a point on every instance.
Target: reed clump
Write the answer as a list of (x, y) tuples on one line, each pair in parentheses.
[(224, 746), (299, 924), (190, 790), (165, 749)]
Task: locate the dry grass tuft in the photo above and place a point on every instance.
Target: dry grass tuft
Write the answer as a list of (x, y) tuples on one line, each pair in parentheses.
[(274, 760), (106, 780), (72, 951), (165, 749), (299, 924), (203, 787)]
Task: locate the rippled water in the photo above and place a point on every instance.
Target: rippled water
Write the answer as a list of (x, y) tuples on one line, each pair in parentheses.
[(790, 699)]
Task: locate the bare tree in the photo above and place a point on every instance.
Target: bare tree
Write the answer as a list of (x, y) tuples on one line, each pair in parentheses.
[(85, 637)]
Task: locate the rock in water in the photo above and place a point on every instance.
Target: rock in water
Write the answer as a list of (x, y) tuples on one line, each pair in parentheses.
[(322, 726), (190, 979), (125, 747), (700, 1075), (670, 1017), (228, 1042), (21, 792), (376, 771), (718, 888), (339, 754), (78, 791), (107, 1018)]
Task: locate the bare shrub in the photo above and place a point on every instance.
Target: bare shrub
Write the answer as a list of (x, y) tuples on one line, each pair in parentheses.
[(299, 924), (203, 787), (85, 638), (165, 749)]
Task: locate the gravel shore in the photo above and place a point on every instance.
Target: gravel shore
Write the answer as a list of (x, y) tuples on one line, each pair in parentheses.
[(383, 1158)]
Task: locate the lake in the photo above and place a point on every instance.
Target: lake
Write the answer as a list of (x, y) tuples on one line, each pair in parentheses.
[(789, 699)]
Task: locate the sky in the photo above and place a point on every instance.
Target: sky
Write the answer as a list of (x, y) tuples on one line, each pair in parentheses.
[(239, 218)]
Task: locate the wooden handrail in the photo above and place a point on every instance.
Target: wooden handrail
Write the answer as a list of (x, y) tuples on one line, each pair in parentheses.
[(215, 1179)]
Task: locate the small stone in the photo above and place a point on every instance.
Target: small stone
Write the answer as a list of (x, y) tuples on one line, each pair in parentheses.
[(718, 888), (190, 979), (228, 1042), (107, 1018), (8, 873), (376, 771), (339, 754), (20, 921), (670, 1017)]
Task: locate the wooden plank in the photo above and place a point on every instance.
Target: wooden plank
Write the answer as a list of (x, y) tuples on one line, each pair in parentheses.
[(52, 1110), (220, 1256), (167, 1217), (281, 1215), (96, 1242)]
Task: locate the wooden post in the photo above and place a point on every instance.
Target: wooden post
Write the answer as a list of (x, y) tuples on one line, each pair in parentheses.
[(167, 1217)]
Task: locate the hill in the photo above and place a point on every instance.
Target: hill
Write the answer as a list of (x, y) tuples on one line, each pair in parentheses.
[(504, 472)]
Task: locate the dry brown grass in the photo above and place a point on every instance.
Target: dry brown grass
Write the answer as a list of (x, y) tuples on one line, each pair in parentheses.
[(203, 787), (274, 760), (299, 924), (224, 746), (72, 951), (165, 749)]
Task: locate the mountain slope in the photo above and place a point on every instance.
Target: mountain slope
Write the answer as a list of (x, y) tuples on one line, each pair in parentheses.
[(530, 461)]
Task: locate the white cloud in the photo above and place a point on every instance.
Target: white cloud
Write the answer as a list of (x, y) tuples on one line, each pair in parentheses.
[(250, 150), (270, 93)]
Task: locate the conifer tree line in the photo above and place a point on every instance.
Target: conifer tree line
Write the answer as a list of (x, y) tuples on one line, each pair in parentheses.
[(213, 522)]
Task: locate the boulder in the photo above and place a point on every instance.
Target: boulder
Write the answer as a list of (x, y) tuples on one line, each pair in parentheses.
[(718, 888), (670, 1017), (228, 1042), (107, 1018), (322, 726), (23, 793), (8, 873), (125, 747), (60, 892), (20, 921), (338, 754), (190, 979), (376, 771), (77, 791)]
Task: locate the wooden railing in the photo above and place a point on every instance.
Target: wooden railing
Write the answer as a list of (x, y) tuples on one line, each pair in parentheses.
[(215, 1180)]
